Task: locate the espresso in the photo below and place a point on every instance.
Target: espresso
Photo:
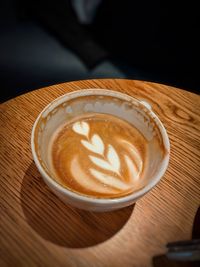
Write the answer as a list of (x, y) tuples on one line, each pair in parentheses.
[(99, 155)]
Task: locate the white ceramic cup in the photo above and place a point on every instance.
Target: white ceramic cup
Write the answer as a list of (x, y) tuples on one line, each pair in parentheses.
[(136, 112)]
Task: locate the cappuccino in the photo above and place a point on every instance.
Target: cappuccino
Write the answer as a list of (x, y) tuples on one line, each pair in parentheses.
[(99, 155)]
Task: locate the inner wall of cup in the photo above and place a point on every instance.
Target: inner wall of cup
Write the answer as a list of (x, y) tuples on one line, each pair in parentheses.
[(131, 111)]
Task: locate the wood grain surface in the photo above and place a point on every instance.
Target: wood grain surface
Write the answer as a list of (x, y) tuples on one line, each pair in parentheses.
[(37, 229)]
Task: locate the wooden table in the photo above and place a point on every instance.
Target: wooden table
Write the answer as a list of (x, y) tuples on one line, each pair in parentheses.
[(37, 229)]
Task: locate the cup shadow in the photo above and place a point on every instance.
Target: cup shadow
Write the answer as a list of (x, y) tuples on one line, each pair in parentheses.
[(62, 224)]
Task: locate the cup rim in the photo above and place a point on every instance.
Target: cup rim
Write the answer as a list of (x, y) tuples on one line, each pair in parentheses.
[(133, 196)]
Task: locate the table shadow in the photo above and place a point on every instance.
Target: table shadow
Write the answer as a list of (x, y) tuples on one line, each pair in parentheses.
[(62, 224)]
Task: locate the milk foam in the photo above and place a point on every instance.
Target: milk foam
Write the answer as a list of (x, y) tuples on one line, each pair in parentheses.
[(109, 161), (99, 155)]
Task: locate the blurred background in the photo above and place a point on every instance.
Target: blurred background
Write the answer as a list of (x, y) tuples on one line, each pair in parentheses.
[(47, 42)]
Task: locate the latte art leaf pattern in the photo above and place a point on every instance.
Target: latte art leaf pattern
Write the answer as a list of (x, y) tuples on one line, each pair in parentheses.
[(96, 145), (109, 180), (97, 142), (132, 168), (81, 128), (99, 155), (113, 158), (104, 164)]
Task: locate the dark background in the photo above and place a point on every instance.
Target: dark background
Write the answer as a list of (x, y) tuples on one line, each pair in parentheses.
[(42, 43)]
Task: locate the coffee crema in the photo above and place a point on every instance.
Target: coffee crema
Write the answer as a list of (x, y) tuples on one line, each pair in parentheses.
[(99, 155)]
